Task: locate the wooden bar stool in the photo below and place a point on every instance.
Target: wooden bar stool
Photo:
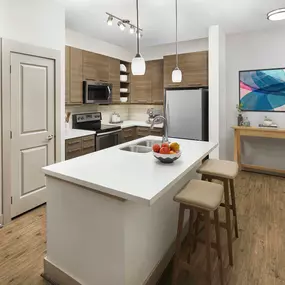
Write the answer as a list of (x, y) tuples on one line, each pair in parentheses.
[(203, 197), (225, 171)]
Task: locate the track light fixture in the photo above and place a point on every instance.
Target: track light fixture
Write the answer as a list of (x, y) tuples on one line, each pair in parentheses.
[(110, 21), (132, 29), (121, 26), (122, 23)]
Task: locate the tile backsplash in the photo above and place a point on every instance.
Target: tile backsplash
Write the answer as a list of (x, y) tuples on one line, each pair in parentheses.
[(127, 112), (107, 111), (138, 112)]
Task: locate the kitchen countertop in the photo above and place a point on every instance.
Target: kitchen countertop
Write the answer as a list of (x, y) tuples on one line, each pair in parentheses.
[(74, 133), (132, 176), (131, 123)]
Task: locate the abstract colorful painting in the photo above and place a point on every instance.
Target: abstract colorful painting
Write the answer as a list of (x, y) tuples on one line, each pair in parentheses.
[(263, 90)]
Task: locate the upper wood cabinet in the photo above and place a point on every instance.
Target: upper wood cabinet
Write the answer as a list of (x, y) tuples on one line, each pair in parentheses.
[(67, 73), (114, 78), (157, 90), (141, 87), (194, 67), (73, 76), (148, 88), (95, 66)]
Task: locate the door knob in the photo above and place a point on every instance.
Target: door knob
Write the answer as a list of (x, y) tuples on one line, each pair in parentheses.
[(50, 137)]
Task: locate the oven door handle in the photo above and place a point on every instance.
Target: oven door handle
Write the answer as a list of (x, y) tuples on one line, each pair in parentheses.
[(108, 133), (109, 92)]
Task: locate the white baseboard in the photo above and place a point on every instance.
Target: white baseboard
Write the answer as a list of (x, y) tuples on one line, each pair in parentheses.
[(56, 276)]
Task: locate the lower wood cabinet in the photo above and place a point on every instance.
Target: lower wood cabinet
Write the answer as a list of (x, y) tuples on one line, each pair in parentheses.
[(145, 131), (129, 134), (79, 146), (157, 132), (132, 133)]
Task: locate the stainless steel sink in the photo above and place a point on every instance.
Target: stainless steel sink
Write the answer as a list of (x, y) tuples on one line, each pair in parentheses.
[(137, 148), (149, 143)]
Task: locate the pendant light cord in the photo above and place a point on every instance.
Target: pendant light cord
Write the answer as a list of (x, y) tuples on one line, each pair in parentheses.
[(176, 34), (138, 36)]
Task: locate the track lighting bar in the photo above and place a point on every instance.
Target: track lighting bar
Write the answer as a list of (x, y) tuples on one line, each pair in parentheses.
[(122, 23)]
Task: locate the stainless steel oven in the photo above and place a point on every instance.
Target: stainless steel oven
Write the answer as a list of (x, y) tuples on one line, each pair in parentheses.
[(97, 92), (108, 139)]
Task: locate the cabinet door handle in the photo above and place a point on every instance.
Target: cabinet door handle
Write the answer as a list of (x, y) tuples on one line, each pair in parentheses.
[(74, 150), (89, 147), (89, 139), (73, 143)]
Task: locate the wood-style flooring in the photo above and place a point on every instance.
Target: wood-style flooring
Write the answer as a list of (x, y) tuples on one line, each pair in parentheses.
[(259, 253)]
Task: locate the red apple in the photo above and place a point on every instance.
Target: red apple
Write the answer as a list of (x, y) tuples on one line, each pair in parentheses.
[(156, 148), (164, 150)]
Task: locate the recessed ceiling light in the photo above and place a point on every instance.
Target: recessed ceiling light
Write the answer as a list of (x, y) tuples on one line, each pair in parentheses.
[(276, 15)]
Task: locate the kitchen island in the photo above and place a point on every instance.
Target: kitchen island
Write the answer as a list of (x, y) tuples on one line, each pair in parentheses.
[(111, 219)]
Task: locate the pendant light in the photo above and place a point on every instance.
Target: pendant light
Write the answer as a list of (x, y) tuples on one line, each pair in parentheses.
[(176, 73), (138, 63)]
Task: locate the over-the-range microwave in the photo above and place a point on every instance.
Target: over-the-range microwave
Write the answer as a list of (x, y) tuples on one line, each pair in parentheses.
[(97, 92)]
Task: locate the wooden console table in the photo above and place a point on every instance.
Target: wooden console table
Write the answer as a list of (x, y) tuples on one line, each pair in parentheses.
[(255, 132)]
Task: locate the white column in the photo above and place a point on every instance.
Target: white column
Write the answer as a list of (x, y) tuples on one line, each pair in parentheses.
[(39, 23), (217, 90)]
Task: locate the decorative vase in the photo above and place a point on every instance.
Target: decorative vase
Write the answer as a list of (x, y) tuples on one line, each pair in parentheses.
[(240, 120)]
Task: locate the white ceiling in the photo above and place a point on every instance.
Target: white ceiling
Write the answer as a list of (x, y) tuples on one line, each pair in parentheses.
[(157, 18)]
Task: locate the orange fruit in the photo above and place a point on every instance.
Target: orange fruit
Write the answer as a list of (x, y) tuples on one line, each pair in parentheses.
[(175, 146)]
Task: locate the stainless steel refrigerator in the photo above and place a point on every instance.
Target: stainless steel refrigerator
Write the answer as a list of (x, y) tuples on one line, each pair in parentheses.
[(187, 113)]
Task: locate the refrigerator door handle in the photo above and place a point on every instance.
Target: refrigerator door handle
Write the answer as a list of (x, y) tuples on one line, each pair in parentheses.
[(167, 116)]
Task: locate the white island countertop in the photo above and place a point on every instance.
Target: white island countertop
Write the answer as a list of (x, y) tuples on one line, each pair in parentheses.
[(132, 176)]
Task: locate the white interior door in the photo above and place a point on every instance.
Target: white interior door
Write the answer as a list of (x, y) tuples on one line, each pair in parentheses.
[(32, 129)]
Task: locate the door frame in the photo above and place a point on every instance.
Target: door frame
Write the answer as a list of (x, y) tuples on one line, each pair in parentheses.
[(9, 46)]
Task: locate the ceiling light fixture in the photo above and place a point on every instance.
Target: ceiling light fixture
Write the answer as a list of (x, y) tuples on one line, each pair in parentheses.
[(122, 23), (176, 73), (132, 29), (138, 62), (110, 21), (121, 26), (276, 15)]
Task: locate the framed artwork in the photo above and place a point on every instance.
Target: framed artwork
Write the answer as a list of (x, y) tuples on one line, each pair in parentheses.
[(262, 90)]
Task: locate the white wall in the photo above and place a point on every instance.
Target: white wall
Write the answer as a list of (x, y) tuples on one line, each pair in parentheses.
[(157, 52), (217, 87), (35, 22), (81, 41), (256, 50)]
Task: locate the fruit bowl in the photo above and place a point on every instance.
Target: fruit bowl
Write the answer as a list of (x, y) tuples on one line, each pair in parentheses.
[(167, 158), (166, 152)]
